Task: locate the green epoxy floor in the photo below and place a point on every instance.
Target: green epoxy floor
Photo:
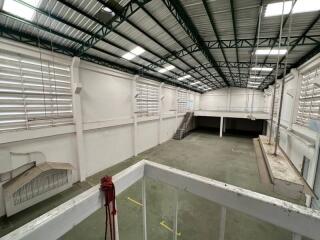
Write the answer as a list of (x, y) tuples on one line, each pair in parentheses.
[(230, 159)]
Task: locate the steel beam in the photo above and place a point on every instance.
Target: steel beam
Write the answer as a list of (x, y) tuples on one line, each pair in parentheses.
[(307, 40), (177, 10), (229, 65), (155, 64), (214, 28), (306, 57), (48, 45), (234, 27), (176, 40), (128, 10)]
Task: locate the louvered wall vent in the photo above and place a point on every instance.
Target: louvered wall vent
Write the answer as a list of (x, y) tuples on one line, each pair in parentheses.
[(36, 185)]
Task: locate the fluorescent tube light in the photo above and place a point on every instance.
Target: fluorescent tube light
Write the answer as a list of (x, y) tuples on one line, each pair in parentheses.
[(184, 77), (301, 6), (254, 83), (162, 70), (166, 68), (271, 52), (170, 67), (256, 77), (133, 53), (194, 83), (137, 51), (19, 9), (129, 56), (262, 69)]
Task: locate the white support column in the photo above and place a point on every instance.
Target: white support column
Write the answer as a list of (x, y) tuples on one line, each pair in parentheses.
[(221, 126), (175, 220), (313, 168), (160, 114), (144, 209), (295, 98), (77, 113), (229, 99), (177, 108), (222, 226), (134, 115)]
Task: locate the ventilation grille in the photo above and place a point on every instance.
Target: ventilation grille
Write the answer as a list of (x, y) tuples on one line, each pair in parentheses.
[(36, 185)]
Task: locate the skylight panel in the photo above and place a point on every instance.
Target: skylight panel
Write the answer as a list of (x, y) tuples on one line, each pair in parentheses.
[(137, 51), (19, 9), (262, 69), (301, 6), (194, 83), (271, 52), (275, 9), (166, 69), (133, 53), (256, 77), (184, 77), (129, 56)]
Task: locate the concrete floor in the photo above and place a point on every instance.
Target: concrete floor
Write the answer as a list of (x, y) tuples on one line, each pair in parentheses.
[(230, 159)]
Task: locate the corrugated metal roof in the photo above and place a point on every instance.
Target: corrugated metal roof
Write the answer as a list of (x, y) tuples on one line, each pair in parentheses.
[(71, 26)]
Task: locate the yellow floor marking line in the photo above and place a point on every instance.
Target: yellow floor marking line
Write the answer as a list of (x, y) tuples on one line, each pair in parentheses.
[(163, 224), (134, 201)]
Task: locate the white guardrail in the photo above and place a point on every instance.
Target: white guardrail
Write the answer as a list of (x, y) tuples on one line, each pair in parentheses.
[(301, 221)]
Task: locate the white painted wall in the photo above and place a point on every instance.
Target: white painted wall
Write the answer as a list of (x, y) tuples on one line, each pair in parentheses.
[(297, 141), (233, 99), (107, 121)]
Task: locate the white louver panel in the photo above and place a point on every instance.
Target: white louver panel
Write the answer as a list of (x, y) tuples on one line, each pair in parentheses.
[(147, 99), (182, 101), (33, 93), (309, 101)]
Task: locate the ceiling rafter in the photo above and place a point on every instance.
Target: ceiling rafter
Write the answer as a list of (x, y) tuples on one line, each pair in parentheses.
[(128, 10), (177, 10), (11, 34), (307, 40), (175, 39), (306, 57), (234, 27), (229, 65), (156, 64), (214, 28), (65, 36), (157, 42), (255, 43)]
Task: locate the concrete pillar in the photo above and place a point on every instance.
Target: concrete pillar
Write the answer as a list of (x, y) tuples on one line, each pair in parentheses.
[(134, 115), (77, 113), (221, 126), (160, 114), (176, 108)]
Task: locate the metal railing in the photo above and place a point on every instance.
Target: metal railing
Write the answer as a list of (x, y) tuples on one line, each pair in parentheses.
[(299, 220)]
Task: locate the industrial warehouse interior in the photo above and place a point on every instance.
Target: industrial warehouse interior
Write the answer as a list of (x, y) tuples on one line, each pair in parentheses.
[(160, 119)]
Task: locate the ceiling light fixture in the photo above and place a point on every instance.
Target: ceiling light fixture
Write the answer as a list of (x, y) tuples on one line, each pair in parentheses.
[(301, 6), (19, 9), (270, 51), (166, 68), (256, 77), (129, 56), (133, 53), (194, 83), (262, 69), (184, 77), (137, 51)]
